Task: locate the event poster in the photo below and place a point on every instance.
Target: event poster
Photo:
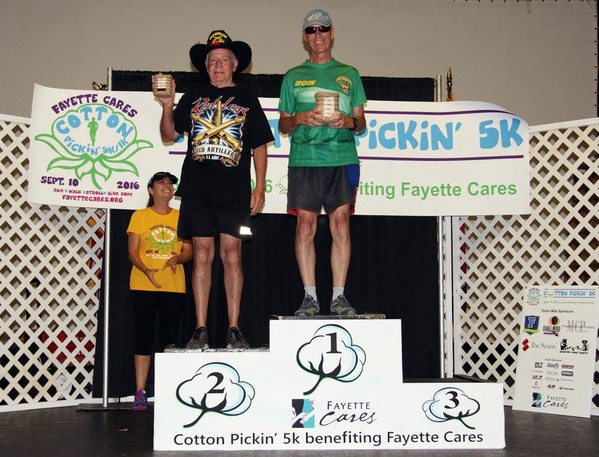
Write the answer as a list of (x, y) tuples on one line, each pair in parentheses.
[(323, 384), (99, 148), (556, 352)]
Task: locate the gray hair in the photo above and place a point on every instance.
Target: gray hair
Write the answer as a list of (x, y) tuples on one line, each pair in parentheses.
[(232, 56)]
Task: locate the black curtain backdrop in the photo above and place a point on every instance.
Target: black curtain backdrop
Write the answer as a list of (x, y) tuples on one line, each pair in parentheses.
[(393, 271)]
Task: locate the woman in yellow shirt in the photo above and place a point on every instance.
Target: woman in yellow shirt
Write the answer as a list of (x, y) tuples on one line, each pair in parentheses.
[(157, 279)]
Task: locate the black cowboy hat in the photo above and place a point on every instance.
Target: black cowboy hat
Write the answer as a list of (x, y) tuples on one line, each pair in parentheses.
[(218, 39)]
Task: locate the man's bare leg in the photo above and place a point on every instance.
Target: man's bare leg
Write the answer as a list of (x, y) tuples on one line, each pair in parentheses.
[(230, 254), (341, 248), (304, 246), (340, 256), (203, 255), (306, 261)]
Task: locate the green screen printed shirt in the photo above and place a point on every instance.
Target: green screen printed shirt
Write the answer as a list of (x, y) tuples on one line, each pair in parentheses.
[(321, 146)]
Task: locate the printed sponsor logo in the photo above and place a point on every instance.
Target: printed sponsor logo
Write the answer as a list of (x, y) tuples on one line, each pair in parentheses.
[(552, 365), (567, 373), (567, 366), (555, 402), (567, 347), (553, 328), (537, 400), (534, 296), (531, 324), (578, 326), (534, 345), (538, 364)]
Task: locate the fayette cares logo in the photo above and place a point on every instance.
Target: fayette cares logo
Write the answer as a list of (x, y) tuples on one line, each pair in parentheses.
[(551, 401), (331, 354), (216, 388), (304, 413), (93, 139)]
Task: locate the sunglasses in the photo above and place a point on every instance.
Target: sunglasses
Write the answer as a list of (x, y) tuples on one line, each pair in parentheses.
[(313, 28)]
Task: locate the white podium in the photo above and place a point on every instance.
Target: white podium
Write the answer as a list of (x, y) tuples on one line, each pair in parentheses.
[(324, 384)]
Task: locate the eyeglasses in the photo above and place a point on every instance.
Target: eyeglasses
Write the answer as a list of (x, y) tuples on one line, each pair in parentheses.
[(313, 28)]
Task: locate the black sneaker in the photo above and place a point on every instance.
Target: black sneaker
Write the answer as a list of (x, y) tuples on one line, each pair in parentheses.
[(309, 307), (235, 339), (342, 307), (199, 339)]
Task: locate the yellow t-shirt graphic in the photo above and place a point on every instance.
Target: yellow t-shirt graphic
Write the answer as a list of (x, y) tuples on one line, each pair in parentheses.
[(158, 242)]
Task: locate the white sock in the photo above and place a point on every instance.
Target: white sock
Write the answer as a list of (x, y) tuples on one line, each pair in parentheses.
[(311, 290), (336, 292)]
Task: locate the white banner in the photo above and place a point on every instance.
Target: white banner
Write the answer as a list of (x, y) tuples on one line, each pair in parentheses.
[(99, 149), (325, 384), (556, 354), (95, 149)]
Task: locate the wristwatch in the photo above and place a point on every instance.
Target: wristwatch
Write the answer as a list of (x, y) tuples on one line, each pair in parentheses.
[(355, 126)]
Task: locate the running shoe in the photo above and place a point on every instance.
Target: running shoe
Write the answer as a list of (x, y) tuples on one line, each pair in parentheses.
[(140, 403), (199, 339), (342, 307), (235, 339), (309, 307)]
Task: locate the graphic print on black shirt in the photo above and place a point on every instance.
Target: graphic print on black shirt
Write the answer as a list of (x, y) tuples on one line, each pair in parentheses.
[(214, 177), (216, 130)]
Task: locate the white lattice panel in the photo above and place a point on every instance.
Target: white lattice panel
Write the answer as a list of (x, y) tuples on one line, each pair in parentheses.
[(50, 267), (498, 257)]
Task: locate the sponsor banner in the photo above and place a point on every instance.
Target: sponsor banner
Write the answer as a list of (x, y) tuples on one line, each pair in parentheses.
[(98, 149), (428, 159), (325, 384), (556, 356)]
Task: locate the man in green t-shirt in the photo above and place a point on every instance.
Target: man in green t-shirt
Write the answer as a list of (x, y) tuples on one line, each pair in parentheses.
[(323, 161)]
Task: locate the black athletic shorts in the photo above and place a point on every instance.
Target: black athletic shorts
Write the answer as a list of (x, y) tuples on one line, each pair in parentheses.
[(201, 217), (311, 188)]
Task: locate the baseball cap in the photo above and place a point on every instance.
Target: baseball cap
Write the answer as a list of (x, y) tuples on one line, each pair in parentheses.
[(160, 175), (317, 17)]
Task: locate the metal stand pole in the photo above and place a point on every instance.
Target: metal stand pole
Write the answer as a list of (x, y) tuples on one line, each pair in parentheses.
[(106, 276)]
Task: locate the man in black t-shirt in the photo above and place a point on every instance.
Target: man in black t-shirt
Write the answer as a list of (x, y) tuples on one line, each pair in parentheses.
[(225, 124)]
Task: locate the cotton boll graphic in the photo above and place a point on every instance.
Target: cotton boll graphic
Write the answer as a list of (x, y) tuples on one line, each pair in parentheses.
[(450, 403), (331, 354), (216, 387)]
